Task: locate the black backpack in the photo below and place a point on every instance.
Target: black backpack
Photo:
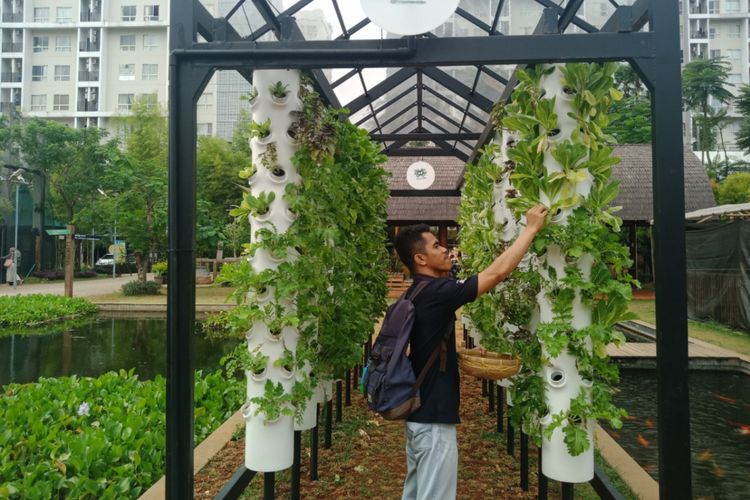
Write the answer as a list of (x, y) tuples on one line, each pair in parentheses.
[(390, 386)]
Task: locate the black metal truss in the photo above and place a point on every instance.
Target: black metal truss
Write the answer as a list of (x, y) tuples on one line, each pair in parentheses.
[(655, 55)]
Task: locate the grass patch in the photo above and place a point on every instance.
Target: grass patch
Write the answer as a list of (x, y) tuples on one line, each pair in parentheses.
[(707, 331), (31, 311), (203, 295)]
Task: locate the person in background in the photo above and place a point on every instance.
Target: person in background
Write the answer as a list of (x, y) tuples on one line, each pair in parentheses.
[(11, 263)]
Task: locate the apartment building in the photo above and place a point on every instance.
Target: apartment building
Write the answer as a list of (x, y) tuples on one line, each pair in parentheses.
[(82, 62), (717, 28)]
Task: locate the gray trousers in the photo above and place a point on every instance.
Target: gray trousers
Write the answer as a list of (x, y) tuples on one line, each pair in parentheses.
[(431, 461)]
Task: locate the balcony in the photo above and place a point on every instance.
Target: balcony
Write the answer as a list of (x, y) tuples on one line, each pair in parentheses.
[(88, 106), (91, 17), (8, 108), (12, 46), (89, 46), (13, 17), (88, 76), (10, 77), (698, 34)]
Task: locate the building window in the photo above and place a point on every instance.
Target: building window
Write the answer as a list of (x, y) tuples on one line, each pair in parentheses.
[(39, 102), (150, 72), (41, 14), (41, 43), (63, 44), (150, 12), (62, 73), (603, 9), (734, 55), (61, 102), (150, 42), (127, 72), (734, 78), (205, 128), (715, 53), (127, 43), (128, 12), (713, 6), (713, 33), (64, 14), (734, 31), (205, 101), (149, 100), (38, 73), (125, 102), (731, 6)]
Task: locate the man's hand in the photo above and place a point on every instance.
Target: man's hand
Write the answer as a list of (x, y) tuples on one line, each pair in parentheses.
[(536, 217)]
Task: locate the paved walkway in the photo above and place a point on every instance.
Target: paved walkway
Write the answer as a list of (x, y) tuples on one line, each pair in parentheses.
[(81, 288)]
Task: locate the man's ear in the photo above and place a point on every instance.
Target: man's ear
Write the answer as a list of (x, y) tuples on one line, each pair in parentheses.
[(419, 259)]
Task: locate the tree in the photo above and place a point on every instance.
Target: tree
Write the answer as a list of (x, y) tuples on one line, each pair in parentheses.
[(139, 188), (73, 162), (218, 186), (734, 189), (703, 80), (743, 105), (630, 120)]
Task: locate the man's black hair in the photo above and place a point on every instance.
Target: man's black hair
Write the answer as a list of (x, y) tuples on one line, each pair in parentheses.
[(410, 241)]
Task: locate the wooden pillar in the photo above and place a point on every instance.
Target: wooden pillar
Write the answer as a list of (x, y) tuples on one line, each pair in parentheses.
[(70, 250), (633, 244)]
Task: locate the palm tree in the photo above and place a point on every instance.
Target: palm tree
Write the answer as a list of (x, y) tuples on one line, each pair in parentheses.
[(743, 104), (702, 80)]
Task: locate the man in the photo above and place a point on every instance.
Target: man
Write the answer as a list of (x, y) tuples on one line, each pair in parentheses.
[(431, 450)]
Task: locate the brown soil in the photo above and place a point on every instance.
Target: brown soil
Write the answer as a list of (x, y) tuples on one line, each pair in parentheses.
[(367, 458)]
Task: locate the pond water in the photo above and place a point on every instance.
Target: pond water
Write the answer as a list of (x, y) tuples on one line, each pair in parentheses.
[(720, 429), (102, 345)]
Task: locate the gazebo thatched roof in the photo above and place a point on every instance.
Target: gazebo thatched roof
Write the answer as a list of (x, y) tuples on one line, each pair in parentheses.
[(634, 173)]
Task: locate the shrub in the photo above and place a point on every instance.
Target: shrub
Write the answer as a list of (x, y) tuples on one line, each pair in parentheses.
[(72, 437), (160, 268), (59, 275), (141, 288), (32, 310)]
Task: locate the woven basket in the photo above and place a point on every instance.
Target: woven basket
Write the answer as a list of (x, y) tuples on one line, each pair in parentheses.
[(490, 365)]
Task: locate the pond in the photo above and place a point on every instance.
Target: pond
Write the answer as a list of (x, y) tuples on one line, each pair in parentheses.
[(719, 427), (102, 345)]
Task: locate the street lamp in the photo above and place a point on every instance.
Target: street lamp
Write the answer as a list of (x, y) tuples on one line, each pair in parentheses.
[(114, 238)]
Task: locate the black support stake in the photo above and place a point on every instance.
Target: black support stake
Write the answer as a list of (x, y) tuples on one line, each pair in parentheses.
[(338, 401), (524, 461), (511, 439), (484, 387), (269, 484), (500, 392), (329, 425), (567, 491), (543, 484), (348, 390), (314, 446), (491, 390), (296, 465)]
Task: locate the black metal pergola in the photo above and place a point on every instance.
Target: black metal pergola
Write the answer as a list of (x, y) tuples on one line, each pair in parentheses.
[(421, 99)]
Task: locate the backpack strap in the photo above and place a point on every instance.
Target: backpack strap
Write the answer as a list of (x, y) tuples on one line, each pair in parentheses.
[(442, 351), (413, 291)]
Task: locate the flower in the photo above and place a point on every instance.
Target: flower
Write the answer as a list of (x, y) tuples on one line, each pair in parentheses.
[(83, 409)]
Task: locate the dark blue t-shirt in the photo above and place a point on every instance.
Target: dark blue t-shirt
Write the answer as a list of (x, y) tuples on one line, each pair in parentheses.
[(435, 317)]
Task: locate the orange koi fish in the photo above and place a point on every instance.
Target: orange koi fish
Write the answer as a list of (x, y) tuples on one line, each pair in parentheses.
[(630, 417), (643, 441), (717, 471), (725, 399), (705, 456), (744, 430), (648, 423)]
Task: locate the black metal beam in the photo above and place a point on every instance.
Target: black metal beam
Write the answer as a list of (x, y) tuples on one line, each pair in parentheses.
[(416, 152), (453, 104), (496, 20), (381, 88), (364, 22), (233, 488), (424, 52), (257, 34), (425, 193), (469, 136), (621, 21), (603, 486), (419, 98), (459, 88), (397, 115), (569, 11), (474, 20), (388, 104)]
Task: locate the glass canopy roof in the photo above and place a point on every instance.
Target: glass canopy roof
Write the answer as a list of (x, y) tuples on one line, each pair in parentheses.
[(446, 108)]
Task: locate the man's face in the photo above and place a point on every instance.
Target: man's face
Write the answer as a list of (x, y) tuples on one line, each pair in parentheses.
[(433, 256)]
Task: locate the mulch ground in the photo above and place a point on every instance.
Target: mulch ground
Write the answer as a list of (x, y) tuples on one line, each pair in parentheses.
[(367, 458)]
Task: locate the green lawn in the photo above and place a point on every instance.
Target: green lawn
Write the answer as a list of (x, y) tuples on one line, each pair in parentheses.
[(707, 331), (203, 295)]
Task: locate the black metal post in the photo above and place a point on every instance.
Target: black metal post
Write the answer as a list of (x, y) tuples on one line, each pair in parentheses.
[(314, 446), (500, 392), (355, 378), (269, 485), (338, 401), (524, 461), (491, 384), (348, 390), (511, 441), (296, 465), (662, 74), (484, 387), (543, 483), (329, 425), (567, 491)]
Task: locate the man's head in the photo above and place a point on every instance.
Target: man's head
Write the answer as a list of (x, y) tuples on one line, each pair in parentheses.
[(421, 252)]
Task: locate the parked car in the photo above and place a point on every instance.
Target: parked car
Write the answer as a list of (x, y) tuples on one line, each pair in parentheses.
[(105, 262)]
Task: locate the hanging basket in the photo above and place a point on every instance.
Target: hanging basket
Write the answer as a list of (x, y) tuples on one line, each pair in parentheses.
[(487, 365)]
